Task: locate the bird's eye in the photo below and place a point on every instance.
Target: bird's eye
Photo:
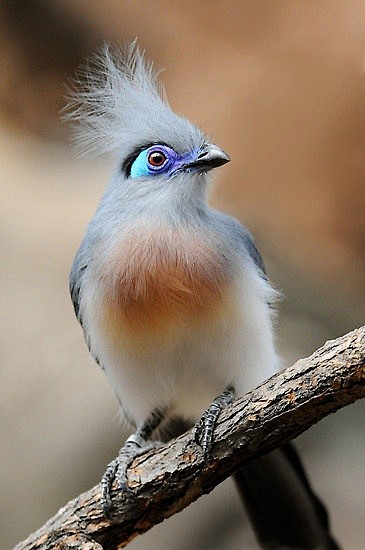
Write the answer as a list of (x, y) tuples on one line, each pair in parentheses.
[(156, 159), (152, 161)]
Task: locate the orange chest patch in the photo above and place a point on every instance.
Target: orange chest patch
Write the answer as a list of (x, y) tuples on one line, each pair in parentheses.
[(162, 278)]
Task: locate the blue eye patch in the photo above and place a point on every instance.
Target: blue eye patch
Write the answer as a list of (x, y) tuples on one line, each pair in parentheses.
[(154, 160)]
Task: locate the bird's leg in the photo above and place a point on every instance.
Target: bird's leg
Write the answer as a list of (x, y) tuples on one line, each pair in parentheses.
[(136, 445), (203, 431)]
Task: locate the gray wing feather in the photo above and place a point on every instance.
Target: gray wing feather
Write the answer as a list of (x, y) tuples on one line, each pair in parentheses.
[(253, 252), (79, 267), (240, 238), (83, 259), (75, 287)]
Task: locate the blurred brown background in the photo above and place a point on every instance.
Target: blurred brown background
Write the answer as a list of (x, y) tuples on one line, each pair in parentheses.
[(281, 86)]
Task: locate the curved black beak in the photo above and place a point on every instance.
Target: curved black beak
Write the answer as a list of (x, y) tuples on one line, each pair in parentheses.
[(209, 157)]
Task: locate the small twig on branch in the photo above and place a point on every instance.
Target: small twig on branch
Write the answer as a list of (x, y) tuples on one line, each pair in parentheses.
[(168, 479)]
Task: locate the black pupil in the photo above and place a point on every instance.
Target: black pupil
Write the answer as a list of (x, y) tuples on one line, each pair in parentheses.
[(157, 158)]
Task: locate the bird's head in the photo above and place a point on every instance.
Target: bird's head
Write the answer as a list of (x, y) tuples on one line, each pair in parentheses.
[(118, 106)]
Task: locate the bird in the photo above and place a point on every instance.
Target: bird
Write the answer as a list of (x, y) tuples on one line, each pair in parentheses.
[(172, 295)]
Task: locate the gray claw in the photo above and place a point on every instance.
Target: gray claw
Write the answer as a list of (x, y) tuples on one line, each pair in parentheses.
[(203, 431), (117, 470)]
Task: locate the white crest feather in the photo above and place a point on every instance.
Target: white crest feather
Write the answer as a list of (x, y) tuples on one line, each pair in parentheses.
[(116, 104)]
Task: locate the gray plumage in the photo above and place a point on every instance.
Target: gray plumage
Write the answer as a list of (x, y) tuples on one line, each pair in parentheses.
[(172, 295)]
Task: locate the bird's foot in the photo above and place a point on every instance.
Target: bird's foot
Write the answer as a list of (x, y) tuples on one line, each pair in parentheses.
[(203, 431), (117, 469)]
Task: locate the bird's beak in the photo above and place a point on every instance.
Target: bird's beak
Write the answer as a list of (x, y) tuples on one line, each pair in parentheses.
[(209, 157)]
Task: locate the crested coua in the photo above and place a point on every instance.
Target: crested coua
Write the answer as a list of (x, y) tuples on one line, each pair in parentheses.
[(172, 295)]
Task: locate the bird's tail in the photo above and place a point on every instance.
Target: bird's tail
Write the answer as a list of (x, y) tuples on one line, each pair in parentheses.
[(284, 510)]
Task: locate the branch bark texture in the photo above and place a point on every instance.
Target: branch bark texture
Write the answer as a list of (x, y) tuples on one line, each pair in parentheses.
[(166, 480)]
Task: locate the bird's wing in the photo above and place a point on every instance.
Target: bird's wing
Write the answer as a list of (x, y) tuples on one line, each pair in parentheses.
[(75, 287), (239, 237), (254, 254), (79, 267)]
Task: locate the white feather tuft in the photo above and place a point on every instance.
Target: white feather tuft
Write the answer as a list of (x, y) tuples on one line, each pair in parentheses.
[(116, 103)]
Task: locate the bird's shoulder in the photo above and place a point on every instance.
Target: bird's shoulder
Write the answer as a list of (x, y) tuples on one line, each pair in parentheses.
[(239, 237)]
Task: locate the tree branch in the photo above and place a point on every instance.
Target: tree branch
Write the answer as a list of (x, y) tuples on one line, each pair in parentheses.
[(168, 479)]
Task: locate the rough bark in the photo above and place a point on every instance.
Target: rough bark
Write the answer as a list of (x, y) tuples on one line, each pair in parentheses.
[(167, 480)]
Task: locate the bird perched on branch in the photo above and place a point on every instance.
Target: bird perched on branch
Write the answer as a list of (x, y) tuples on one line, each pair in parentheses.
[(172, 295)]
